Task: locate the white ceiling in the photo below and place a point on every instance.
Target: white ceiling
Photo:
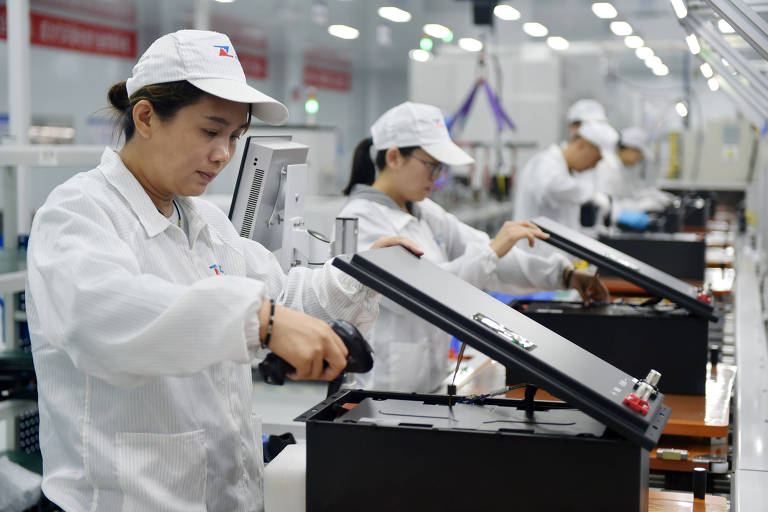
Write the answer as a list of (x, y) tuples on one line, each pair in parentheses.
[(292, 25)]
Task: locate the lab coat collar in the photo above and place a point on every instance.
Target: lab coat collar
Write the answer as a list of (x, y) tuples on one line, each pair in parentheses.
[(400, 217), (154, 223)]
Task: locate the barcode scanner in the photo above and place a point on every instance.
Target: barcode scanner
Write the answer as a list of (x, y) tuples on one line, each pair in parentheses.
[(359, 359)]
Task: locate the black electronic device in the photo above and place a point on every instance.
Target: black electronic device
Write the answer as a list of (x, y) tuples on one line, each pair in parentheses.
[(673, 338), (679, 254), (359, 359), (653, 280), (632, 336), (398, 450)]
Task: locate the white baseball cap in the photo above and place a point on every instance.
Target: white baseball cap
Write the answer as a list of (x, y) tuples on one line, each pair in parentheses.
[(417, 124), (586, 110), (599, 133), (208, 61), (634, 137)]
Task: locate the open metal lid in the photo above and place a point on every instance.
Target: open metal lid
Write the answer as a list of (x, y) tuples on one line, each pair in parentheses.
[(542, 357), (633, 270)]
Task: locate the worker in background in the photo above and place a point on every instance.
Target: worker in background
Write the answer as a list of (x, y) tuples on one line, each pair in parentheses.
[(619, 176), (581, 111), (412, 146), (145, 307), (547, 185)]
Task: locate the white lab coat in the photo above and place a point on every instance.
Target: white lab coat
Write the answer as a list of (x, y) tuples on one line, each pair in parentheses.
[(142, 340), (410, 354), (546, 187), (626, 189)]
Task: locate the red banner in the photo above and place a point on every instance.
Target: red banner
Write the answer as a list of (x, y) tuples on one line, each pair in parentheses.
[(254, 66), (3, 23), (327, 78), (63, 33)]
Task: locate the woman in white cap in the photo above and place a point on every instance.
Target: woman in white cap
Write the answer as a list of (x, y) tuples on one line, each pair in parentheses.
[(618, 175), (412, 146), (145, 307), (548, 186)]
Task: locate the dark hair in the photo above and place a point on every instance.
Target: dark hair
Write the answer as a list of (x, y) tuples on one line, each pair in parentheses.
[(363, 170), (167, 99)]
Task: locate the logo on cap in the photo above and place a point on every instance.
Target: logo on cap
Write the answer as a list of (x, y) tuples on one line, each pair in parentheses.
[(438, 122), (223, 51)]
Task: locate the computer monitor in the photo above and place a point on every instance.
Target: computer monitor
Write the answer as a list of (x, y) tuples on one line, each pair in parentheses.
[(258, 203)]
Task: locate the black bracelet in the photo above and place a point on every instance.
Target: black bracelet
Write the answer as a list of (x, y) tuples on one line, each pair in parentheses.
[(568, 279), (265, 342)]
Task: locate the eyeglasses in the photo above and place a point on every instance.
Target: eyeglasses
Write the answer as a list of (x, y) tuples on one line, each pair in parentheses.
[(435, 168)]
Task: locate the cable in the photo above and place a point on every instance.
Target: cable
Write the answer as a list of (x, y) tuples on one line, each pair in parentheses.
[(478, 399)]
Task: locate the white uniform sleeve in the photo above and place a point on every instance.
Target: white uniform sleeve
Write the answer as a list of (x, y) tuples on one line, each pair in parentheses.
[(326, 293), (559, 187), (120, 324), (520, 271), (469, 253)]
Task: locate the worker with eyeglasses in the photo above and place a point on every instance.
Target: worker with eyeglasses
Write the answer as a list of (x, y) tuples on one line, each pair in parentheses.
[(388, 194)]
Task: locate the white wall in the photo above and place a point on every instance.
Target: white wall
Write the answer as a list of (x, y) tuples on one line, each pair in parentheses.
[(72, 86)]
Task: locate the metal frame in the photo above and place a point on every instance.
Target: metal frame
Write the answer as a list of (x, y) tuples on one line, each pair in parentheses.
[(745, 20), (756, 93), (750, 462), (750, 436), (38, 155)]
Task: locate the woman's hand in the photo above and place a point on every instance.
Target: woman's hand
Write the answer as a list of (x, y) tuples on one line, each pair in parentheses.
[(512, 232), (307, 343), (388, 241), (590, 287)]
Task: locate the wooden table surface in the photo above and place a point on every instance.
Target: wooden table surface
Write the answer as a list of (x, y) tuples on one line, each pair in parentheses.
[(665, 501)]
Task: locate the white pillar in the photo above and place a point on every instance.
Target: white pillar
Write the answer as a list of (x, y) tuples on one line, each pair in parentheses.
[(18, 104), (202, 15)]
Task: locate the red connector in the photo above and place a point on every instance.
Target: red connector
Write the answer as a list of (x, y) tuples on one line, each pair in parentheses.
[(637, 404), (704, 297)]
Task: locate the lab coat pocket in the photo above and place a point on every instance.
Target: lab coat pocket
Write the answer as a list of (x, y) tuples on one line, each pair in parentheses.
[(162, 472)]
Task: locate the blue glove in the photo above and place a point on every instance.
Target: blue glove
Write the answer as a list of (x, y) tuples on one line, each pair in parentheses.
[(634, 219)]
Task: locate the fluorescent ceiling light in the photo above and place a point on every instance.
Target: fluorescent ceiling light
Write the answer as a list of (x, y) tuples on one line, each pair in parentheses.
[(713, 84), (506, 12), (652, 62), (394, 14), (436, 31), (558, 43), (634, 41), (725, 27), (621, 28), (419, 55), (693, 44), (604, 10), (225, 1), (662, 70), (681, 109), (706, 70), (343, 31), (470, 44), (644, 53), (535, 29), (681, 11)]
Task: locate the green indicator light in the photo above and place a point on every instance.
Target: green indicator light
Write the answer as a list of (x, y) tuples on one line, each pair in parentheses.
[(448, 38), (426, 44), (311, 106)]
